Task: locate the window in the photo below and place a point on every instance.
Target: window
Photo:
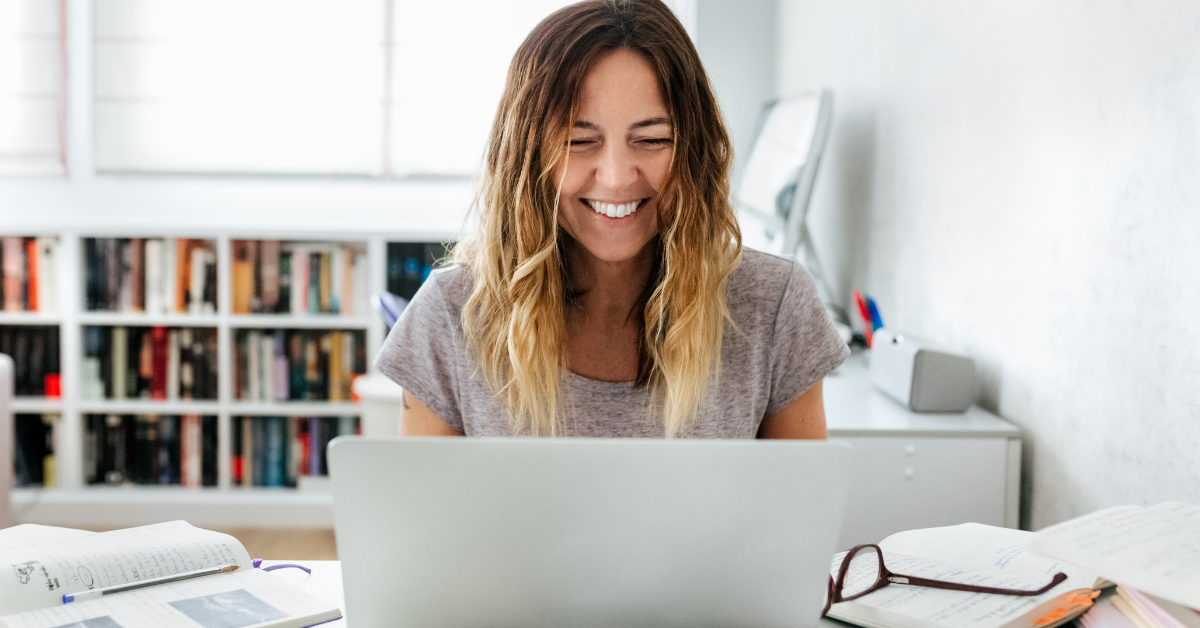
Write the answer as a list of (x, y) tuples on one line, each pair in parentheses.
[(32, 115), (381, 88)]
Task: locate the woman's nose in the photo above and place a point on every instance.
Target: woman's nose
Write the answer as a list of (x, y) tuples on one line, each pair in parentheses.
[(617, 169)]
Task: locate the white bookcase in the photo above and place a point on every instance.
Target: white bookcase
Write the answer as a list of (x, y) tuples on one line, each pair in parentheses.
[(74, 503)]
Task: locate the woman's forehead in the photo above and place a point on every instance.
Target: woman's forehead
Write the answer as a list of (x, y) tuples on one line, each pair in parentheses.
[(621, 90)]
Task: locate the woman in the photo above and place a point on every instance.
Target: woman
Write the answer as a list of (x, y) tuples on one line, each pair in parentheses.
[(606, 292)]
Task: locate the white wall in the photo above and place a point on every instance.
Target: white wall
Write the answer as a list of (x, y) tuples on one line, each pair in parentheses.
[(1021, 180), (736, 42)]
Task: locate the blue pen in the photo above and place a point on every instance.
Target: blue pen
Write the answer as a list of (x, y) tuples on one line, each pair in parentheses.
[(876, 319)]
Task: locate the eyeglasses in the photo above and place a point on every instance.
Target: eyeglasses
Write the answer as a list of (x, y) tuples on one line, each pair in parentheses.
[(867, 573)]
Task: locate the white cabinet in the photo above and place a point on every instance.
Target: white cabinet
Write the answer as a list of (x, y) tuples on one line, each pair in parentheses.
[(920, 470)]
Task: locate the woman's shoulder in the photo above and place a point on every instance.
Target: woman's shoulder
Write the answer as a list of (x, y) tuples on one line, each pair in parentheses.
[(448, 287), (760, 277)]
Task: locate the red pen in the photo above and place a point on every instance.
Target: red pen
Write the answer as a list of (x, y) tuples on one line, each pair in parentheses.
[(865, 312)]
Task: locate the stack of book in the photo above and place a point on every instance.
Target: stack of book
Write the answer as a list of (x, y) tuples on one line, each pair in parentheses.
[(149, 363), (156, 275), (30, 271), (298, 364), (150, 449), (34, 350), (278, 451), (409, 264), (270, 277), (33, 450)]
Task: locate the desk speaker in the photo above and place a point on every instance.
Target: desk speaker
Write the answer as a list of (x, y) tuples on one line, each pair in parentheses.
[(920, 377)]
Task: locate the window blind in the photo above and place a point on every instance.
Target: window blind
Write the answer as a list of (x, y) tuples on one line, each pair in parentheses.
[(239, 86), (32, 115)]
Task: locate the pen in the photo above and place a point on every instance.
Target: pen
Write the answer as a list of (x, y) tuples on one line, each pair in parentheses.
[(866, 316), (95, 593), (876, 319)]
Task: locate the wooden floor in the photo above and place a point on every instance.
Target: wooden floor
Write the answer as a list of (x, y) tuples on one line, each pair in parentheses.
[(282, 543)]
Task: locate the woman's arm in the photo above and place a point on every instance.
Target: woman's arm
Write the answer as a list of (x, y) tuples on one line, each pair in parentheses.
[(417, 420), (802, 418)]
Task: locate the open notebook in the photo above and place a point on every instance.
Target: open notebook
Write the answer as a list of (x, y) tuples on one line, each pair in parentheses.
[(45, 563), (970, 553)]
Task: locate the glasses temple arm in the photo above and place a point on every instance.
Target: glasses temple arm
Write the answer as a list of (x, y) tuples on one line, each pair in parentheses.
[(896, 578)]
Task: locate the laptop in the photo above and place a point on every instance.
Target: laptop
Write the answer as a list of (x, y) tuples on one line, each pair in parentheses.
[(439, 532)]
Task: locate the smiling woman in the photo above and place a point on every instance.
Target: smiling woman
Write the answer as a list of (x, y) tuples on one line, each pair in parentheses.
[(606, 292)]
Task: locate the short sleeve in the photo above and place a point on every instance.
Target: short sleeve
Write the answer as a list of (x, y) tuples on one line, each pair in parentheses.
[(424, 349), (806, 346)]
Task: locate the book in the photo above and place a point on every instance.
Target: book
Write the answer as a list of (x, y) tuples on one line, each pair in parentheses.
[(12, 253), (1146, 611), (49, 563), (975, 554), (1153, 550)]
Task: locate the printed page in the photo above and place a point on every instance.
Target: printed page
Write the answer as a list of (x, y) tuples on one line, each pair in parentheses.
[(30, 534), (900, 605), (246, 597), (38, 576), (988, 548), (1143, 548)]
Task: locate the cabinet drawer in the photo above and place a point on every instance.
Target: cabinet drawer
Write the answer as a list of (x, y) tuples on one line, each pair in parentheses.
[(905, 483)]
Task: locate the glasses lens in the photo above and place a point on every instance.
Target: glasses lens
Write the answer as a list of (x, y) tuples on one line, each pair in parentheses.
[(863, 573)]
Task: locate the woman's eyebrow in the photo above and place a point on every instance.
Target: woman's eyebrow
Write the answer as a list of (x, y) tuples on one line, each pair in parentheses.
[(650, 122)]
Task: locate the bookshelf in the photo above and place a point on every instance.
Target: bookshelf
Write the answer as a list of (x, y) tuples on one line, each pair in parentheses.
[(75, 502)]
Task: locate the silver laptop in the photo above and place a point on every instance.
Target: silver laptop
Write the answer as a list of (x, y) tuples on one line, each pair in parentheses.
[(469, 532)]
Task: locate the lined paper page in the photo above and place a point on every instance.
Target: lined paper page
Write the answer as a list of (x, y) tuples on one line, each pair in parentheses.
[(986, 547), (30, 534), (242, 598), (899, 605), (1155, 552), (40, 575)]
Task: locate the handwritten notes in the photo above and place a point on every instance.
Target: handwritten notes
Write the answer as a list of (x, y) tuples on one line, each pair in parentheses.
[(1156, 550), (38, 576)]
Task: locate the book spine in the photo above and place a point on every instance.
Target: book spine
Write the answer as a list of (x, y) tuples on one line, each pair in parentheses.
[(208, 451), (158, 370), (236, 474), (285, 283), (196, 281), (269, 269), (296, 366), (314, 446), (125, 276), (171, 385), (275, 461), (12, 266), (114, 453), (336, 275), (145, 376), (259, 454), (193, 460), (248, 452), (167, 469), (314, 282), (120, 368), (187, 378), (311, 366), (295, 450), (253, 371), (280, 369), (326, 270), (335, 366), (154, 270), (242, 276), (47, 264), (266, 362), (93, 424), (299, 287), (254, 255), (328, 433), (137, 276), (31, 275), (91, 267), (169, 254), (112, 274), (210, 282)]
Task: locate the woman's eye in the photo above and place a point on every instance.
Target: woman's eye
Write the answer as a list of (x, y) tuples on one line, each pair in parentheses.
[(656, 141), (579, 143)]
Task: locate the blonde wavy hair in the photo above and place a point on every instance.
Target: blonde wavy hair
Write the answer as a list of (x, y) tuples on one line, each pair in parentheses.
[(515, 320)]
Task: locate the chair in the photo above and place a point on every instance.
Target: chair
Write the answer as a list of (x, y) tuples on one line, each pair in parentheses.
[(773, 195)]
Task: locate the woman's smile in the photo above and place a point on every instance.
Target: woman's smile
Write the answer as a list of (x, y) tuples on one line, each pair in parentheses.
[(614, 209)]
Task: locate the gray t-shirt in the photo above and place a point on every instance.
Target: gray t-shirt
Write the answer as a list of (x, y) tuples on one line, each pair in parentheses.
[(785, 343)]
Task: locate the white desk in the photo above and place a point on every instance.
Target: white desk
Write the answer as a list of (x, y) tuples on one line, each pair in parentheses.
[(325, 583), (920, 470)]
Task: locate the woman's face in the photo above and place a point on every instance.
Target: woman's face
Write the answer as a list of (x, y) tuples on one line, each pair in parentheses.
[(620, 154)]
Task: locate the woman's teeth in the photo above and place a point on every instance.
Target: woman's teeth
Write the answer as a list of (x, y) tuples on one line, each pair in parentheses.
[(612, 210)]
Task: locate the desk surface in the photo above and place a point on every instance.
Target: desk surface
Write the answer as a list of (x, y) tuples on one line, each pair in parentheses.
[(325, 583), (854, 407)]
